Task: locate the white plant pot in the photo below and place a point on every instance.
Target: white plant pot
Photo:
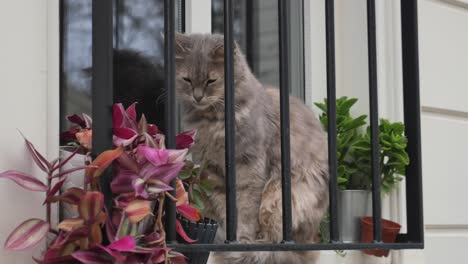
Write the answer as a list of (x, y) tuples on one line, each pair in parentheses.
[(74, 179), (352, 204)]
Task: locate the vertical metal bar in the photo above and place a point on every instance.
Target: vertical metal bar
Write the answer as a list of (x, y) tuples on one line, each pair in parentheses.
[(171, 115), (331, 99), (374, 121), (102, 86), (118, 27), (414, 213), (250, 31), (283, 17), (230, 154)]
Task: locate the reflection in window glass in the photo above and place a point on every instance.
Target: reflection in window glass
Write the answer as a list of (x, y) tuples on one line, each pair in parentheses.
[(138, 56), (256, 31)]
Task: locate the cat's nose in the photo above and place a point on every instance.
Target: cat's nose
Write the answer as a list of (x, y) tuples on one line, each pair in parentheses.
[(198, 98), (198, 94)]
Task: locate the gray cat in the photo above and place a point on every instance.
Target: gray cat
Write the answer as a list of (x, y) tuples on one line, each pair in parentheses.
[(200, 89)]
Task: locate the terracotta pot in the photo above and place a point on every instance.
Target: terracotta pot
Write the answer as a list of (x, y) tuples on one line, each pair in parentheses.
[(390, 231), (204, 232)]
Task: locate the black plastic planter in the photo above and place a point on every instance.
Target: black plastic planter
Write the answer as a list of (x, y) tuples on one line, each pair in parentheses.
[(204, 232)]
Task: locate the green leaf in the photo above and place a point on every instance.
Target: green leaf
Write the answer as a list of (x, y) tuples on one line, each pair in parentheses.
[(196, 199), (207, 186)]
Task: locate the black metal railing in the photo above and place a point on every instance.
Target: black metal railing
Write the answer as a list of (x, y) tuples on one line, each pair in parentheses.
[(102, 105)]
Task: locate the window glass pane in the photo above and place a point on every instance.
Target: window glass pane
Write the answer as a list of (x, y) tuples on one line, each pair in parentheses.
[(138, 56), (256, 31)]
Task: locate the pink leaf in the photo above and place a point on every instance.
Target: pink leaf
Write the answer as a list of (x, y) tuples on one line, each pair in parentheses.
[(189, 212), (122, 118), (139, 186), (131, 111), (177, 155), (85, 138), (102, 162), (126, 243), (72, 195), (154, 186), (67, 159), (24, 180), (117, 141), (115, 254), (137, 210), (124, 133), (91, 257), (165, 173), (41, 162), (127, 162), (76, 119), (180, 230), (186, 139), (63, 173), (118, 115), (152, 129), (91, 205), (55, 189), (27, 235), (122, 183), (181, 194), (155, 156), (88, 121)]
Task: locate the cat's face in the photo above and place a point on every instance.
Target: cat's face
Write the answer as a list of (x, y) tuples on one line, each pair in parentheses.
[(200, 70)]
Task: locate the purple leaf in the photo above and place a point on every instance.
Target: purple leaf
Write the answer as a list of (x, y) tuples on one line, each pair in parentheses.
[(63, 173), (41, 162), (88, 120), (55, 189), (139, 187), (67, 159), (155, 156), (131, 111), (123, 142), (24, 180), (122, 183), (27, 235), (154, 186), (92, 257), (152, 129), (127, 162), (177, 155), (71, 195), (180, 230), (165, 173), (115, 254), (122, 118), (186, 139), (126, 243), (76, 119), (60, 260)]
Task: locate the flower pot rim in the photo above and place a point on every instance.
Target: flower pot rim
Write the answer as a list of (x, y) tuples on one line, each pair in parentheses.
[(386, 224), (354, 190)]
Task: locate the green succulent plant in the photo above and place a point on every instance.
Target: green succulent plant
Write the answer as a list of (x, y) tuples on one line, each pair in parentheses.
[(354, 148)]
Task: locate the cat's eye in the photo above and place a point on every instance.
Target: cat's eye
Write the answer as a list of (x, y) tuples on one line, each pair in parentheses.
[(210, 81), (187, 80)]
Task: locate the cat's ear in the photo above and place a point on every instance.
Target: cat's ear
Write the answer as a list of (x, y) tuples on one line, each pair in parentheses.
[(217, 54), (182, 45)]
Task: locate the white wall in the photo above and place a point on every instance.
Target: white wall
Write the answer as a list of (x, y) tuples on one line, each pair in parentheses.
[(24, 81)]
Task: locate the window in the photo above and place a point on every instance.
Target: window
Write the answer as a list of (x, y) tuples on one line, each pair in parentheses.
[(256, 31), (138, 54)]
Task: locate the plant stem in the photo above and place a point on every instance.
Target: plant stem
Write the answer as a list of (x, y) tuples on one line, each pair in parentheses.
[(48, 205), (159, 225)]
